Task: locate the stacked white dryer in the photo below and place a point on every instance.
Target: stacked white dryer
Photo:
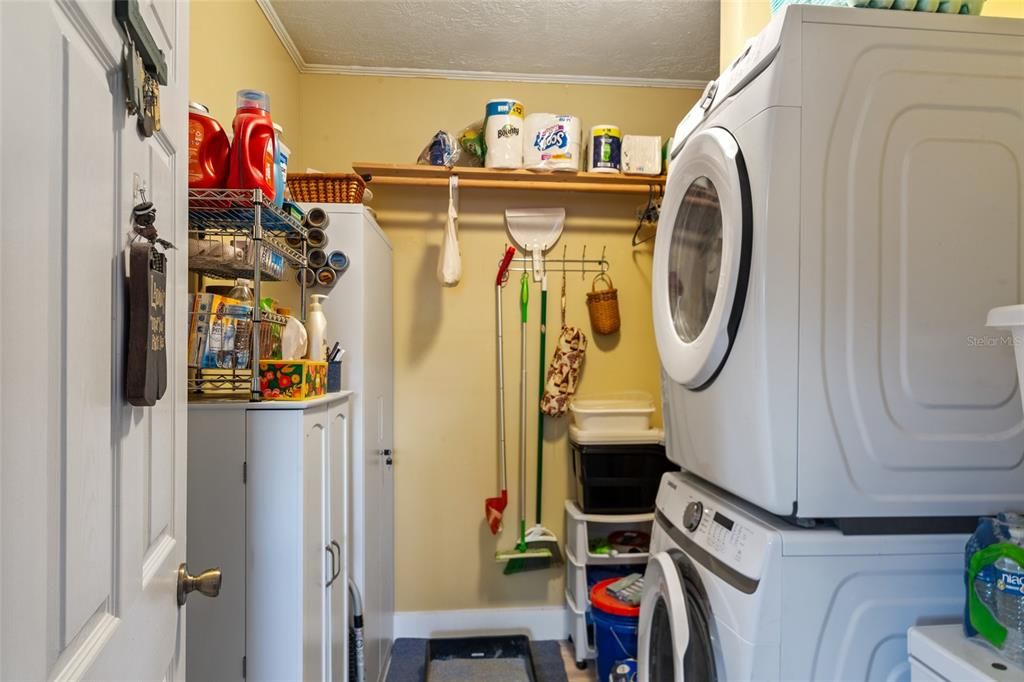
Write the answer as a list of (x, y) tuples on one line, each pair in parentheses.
[(843, 207)]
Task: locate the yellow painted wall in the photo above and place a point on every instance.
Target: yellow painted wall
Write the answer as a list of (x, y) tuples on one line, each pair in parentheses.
[(742, 19), (445, 416)]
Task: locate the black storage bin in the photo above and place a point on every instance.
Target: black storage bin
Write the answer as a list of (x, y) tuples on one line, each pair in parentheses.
[(619, 478)]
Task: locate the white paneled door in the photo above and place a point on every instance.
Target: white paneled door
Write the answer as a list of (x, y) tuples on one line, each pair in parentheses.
[(92, 491)]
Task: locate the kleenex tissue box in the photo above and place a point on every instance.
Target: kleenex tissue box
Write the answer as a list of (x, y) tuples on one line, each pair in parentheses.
[(641, 154)]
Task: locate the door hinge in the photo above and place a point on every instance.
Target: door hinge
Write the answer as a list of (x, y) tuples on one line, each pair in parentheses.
[(243, 667), (245, 472)]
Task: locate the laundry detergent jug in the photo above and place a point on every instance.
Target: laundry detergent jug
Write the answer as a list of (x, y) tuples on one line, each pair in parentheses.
[(253, 149), (208, 149)]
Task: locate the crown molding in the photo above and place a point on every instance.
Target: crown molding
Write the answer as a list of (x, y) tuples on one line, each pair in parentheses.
[(453, 74)]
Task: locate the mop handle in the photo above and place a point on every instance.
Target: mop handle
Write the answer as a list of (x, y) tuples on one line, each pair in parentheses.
[(540, 397), (524, 296), (498, 281)]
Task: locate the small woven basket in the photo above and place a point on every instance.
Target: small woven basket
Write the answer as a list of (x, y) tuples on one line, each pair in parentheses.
[(326, 188), (604, 306)]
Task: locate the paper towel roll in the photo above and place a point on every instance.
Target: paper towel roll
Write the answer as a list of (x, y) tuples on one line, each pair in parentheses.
[(605, 149), (552, 142), (503, 134)]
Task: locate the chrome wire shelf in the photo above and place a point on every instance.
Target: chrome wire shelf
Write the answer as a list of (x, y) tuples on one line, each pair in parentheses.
[(234, 211), (241, 234)]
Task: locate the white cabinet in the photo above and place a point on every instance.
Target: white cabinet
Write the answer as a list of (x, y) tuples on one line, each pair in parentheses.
[(359, 316), (267, 495)]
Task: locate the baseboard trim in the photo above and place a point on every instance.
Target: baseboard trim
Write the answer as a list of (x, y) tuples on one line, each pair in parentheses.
[(541, 622)]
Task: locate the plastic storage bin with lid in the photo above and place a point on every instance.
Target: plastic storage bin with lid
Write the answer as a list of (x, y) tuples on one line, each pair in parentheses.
[(614, 413), (615, 631)]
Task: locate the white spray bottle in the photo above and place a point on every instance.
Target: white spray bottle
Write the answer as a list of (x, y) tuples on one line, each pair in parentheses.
[(316, 328)]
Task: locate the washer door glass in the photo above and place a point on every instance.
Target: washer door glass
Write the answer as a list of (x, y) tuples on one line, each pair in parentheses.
[(702, 258), (695, 259), (675, 632)]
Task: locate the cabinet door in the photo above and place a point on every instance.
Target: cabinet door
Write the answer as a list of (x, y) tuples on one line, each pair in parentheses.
[(316, 557), (380, 575), (337, 500)]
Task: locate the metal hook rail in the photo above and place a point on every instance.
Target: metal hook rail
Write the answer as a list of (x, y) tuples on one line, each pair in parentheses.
[(582, 265)]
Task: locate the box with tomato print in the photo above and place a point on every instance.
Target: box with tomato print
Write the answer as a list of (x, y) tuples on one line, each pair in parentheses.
[(292, 379)]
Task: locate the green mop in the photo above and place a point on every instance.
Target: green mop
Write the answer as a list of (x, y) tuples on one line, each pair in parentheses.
[(522, 557), (540, 537)]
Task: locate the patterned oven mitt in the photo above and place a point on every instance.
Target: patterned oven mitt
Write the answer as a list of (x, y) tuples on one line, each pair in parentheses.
[(564, 371)]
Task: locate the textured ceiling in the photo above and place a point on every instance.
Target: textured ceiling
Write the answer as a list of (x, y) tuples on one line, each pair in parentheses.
[(622, 41)]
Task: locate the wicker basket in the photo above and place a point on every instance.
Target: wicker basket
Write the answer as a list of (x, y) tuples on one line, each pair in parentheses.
[(604, 306), (326, 188)]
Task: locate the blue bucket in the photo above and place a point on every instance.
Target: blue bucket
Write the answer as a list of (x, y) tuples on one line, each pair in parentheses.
[(615, 636)]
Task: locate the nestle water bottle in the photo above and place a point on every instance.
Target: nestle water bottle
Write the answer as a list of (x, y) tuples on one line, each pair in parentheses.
[(1009, 598)]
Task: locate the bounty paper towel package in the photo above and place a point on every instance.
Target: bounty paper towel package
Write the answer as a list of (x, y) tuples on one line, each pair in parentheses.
[(641, 154), (552, 142), (503, 134)]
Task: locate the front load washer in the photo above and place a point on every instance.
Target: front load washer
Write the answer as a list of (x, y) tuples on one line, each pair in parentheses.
[(843, 207), (732, 593)]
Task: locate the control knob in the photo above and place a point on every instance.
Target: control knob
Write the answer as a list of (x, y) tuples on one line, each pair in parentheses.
[(691, 517)]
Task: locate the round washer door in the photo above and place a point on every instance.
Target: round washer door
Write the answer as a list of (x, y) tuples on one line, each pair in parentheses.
[(702, 258), (674, 642)]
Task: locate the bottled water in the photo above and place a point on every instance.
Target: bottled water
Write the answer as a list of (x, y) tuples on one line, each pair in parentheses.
[(1009, 599)]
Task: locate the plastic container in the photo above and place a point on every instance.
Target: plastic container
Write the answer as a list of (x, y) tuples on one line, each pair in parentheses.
[(280, 166), (242, 292), (620, 478), (583, 531), (208, 149), (579, 579), (253, 151), (294, 339), (627, 411), (615, 629), (316, 327)]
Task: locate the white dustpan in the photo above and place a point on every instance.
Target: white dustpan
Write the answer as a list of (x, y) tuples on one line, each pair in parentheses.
[(535, 230), (1011, 317)]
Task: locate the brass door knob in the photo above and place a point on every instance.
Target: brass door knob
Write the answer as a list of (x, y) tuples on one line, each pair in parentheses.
[(207, 583)]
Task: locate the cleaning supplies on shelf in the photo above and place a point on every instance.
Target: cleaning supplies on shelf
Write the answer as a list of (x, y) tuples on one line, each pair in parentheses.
[(208, 149), (552, 142), (503, 133), (641, 155), (605, 149), (280, 166), (316, 327), (294, 339), (253, 150)]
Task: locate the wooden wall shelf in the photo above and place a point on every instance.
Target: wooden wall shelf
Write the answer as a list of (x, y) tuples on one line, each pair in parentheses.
[(414, 175)]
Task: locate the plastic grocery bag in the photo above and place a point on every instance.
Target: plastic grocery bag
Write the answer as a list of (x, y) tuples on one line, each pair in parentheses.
[(449, 265)]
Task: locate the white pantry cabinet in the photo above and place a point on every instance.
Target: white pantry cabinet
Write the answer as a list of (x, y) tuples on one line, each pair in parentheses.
[(267, 503)]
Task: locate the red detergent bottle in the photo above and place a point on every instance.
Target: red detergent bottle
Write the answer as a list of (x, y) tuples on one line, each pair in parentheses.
[(252, 152), (208, 149)]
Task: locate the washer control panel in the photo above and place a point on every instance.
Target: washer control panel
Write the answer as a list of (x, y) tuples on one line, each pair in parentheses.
[(723, 530)]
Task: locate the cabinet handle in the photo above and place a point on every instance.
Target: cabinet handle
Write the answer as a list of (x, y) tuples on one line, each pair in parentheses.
[(337, 573), (334, 563)]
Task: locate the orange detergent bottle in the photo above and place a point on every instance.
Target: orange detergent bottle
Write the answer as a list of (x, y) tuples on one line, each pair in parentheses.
[(252, 152), (208, 149)]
